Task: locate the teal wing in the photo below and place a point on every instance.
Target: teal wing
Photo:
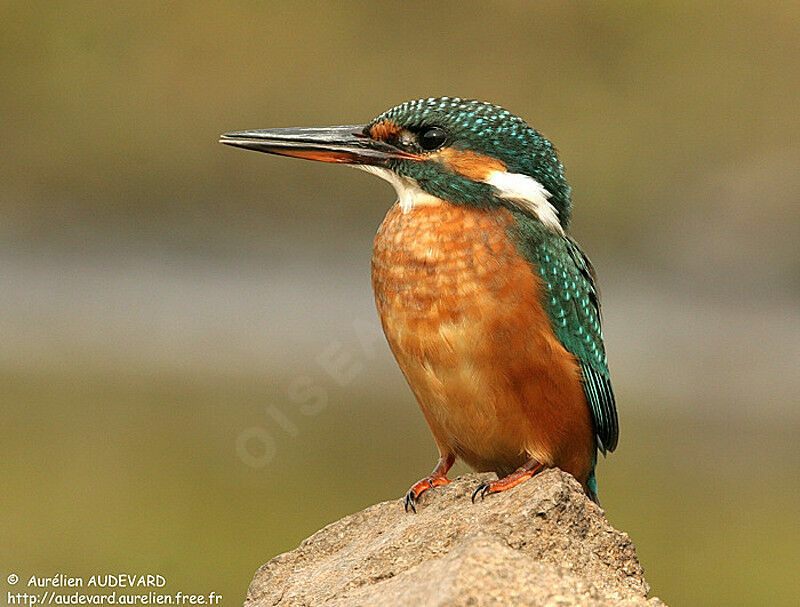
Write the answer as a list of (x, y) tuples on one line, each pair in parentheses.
[(573, 304), (591, 351)]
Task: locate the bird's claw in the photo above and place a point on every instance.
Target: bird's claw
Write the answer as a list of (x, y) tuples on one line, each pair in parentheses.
[(409, 502), (481, 489), (420, 487), (520, 475)]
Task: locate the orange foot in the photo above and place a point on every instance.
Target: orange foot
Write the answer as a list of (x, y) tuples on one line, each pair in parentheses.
[(421, 487), (437, 478), (512, 480)]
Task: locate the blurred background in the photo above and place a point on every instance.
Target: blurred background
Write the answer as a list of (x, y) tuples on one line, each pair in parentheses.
[(193, 376)]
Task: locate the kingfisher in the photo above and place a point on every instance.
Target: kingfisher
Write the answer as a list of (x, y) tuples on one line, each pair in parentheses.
[(490, 308)]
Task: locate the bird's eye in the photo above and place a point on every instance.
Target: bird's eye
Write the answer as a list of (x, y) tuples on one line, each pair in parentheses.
[(432, 138)]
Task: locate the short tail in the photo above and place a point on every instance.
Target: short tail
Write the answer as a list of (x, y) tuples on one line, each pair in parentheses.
[(591, 488)]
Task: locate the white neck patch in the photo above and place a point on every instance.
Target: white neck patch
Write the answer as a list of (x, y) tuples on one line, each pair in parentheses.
[(527, 194), (409, 194)]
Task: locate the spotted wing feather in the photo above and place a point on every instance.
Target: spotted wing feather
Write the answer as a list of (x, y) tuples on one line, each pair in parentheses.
[(592, 356), (573, 304)]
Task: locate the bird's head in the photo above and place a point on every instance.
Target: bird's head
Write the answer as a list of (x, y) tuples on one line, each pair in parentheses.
[(463, 151)]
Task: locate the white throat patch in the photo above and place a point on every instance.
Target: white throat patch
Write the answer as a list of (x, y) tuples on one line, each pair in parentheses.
[(409, 194), (527, 194)]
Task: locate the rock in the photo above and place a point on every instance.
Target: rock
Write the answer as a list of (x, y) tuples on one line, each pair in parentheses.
[(541, 543)]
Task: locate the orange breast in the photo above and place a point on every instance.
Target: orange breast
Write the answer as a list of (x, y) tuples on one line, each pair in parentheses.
[(463, 314)]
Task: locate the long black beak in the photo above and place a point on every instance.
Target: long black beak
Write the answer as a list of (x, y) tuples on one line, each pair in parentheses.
[(347, 144)]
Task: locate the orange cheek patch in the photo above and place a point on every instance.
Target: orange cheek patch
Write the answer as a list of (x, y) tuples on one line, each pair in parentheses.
[(469, 164), (384, 130)]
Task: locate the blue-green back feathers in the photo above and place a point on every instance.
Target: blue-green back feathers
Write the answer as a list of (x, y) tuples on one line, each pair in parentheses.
[(572, 302)]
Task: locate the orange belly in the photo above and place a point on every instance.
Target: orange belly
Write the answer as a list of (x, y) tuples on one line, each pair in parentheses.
[(463, 314)]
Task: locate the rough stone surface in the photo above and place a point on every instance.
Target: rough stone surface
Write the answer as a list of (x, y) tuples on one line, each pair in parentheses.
[(542, 543)]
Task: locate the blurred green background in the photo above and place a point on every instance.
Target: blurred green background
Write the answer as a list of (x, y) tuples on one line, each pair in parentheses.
[(193, 375)]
